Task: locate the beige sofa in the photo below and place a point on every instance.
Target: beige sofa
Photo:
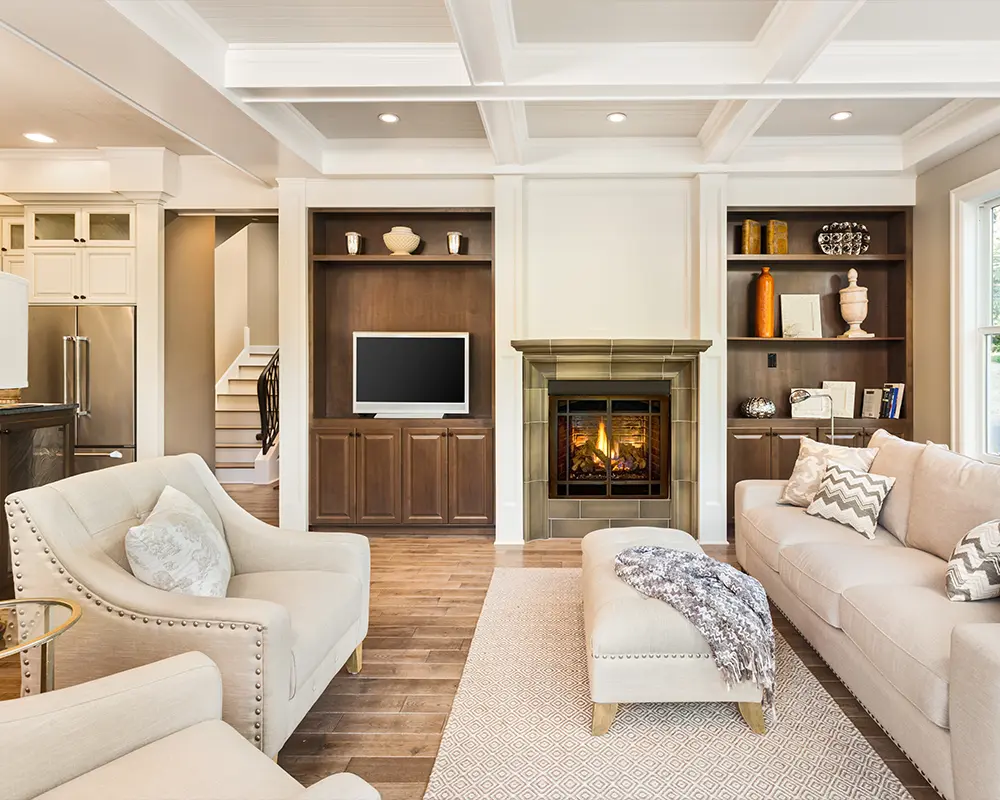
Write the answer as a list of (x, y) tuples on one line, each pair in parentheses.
[(926, 668), (296, 610), (150, 733)]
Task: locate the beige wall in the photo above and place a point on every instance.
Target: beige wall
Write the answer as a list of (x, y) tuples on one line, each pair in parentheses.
[(189, 334), (230, 299), (262, 282), (931, 286)]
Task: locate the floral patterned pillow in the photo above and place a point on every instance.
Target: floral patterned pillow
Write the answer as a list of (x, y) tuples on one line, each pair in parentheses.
[(811, 465), (178, 549)]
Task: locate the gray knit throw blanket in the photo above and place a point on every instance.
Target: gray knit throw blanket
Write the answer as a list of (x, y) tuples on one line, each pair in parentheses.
[(727, 607)]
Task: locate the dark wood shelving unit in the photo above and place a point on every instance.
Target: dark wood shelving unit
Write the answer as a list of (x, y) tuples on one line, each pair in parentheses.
[(392, 475), (766, 448)]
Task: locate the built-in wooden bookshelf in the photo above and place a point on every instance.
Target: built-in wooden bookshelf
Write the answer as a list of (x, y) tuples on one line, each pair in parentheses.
[(766, 448)]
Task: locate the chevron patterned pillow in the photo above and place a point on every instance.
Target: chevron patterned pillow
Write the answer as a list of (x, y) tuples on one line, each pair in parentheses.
[(974, 569), (851, 497)]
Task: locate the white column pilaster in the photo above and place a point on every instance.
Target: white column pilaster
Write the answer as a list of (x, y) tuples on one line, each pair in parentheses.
[(293, 345), (710, 313), (508, 277), (149, 315)]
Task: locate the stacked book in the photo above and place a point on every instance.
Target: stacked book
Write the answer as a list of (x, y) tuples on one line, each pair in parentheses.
[(892, 400)]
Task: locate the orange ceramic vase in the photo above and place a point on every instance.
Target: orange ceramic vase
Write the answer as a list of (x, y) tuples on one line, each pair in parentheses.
[(765, 304)]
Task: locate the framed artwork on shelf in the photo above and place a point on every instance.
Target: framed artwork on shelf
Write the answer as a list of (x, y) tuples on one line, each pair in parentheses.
[(815, 407), (843, 393), (800, 317)]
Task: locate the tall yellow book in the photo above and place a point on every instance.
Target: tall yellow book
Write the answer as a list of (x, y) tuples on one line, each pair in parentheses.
[(751, 237), (777, 237)]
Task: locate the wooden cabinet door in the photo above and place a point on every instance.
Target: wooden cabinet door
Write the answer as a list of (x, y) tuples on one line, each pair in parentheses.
[(425, 476), (845, 437), (108, 275), (470, 476), (378, 470), (333, 471), (748, 456), (785, 450), (55, 275)]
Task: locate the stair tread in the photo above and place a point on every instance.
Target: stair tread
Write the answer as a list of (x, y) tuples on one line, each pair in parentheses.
[(234, 465), (239, 445), (237, 427)]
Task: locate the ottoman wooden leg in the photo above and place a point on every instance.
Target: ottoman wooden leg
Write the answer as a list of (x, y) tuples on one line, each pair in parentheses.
[(604, 715), (353, 664), (753, 713)]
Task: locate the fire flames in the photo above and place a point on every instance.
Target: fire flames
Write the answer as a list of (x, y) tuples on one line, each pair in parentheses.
[(604, 446)]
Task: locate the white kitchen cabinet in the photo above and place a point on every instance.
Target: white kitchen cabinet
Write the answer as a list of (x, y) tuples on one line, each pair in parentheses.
[(96, 226), (14, 264), (11, 236), (81, 275)]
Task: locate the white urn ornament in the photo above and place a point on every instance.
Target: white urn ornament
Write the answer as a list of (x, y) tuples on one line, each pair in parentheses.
[(401, 241), (854, 307)]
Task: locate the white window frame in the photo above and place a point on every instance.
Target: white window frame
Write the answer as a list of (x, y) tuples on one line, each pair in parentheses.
[(971, 206)]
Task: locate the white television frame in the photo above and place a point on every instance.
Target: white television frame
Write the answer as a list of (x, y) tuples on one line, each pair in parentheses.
[(407, 410)]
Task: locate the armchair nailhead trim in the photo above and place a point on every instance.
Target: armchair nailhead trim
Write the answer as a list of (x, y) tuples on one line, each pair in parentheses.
[(651, 655)]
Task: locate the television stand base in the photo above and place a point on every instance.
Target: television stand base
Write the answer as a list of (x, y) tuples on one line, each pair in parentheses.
[(411, 415)]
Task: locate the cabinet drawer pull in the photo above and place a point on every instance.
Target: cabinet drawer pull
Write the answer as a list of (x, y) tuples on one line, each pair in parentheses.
[(840, 436), (748, 435), (791, 435)]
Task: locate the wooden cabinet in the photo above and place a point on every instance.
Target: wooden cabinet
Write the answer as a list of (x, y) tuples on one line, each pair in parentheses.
[(748, 457), (14, 265), (845, 437), (54, 275), (785, 450), (107, 275), (470, 476), (74, 275), (401, 474), (11, 236), (64, 226)]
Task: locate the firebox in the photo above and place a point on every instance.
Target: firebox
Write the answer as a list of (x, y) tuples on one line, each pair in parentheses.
[(609, 446)]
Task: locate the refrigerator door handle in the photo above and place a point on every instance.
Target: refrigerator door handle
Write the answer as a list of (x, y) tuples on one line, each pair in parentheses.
[(82, 376), (65, 372)]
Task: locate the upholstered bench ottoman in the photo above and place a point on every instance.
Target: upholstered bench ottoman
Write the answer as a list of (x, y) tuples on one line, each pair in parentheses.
[(639, 649)]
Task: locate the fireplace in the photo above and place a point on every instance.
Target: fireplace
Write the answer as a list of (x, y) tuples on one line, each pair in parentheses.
[(609, 446)]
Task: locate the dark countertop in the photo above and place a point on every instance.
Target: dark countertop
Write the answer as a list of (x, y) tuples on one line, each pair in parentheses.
[(35, 408)]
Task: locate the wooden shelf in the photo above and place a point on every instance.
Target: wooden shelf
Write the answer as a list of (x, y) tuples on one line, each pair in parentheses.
[(791, 422), (815, 257), (799, 341), (388, 259)]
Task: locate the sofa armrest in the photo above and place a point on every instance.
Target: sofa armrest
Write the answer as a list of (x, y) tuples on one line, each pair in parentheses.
[(56, 737), (974, 707), (343, 786), (753, 494)]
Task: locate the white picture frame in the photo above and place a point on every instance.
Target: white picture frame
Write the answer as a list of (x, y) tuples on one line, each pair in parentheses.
[(843, 394), (800, 316), (812, 407)]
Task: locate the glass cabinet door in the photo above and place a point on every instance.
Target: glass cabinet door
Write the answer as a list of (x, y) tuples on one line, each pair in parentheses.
[(16, 236), (55, 227), (108, 227)]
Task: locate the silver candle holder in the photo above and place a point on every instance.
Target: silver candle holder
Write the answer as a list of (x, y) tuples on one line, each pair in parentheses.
[(454, 242), (353, 242)]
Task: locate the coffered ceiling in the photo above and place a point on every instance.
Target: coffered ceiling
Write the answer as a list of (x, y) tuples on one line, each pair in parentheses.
[(526, 86)]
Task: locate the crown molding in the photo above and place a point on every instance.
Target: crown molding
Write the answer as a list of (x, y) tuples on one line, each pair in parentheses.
[(953, 129)]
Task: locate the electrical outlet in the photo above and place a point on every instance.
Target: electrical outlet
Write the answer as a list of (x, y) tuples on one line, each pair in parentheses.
[(772, 360)]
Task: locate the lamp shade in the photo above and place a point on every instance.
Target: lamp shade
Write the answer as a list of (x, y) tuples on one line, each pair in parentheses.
[(13, 331)]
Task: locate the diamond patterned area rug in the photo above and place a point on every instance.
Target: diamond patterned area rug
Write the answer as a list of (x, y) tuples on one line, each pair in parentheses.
[(520, 724)]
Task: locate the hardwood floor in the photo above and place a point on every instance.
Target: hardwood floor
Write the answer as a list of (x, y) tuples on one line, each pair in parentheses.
[(386, 723)]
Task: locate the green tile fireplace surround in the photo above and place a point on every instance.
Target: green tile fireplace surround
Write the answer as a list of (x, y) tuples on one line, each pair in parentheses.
[(673, 360)]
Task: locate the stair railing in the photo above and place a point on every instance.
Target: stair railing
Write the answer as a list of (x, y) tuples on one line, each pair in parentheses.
[(267, 400)]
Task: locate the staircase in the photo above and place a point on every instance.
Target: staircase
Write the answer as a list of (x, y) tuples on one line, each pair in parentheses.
[(237, 417)]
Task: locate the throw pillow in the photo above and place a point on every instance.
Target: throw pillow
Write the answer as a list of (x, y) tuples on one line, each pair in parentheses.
[(178, 549), (851, 497), (974, 568), (811, 463)]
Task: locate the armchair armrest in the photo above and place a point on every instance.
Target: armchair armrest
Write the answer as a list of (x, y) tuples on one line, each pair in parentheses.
[(343, 786), (974, 706), (56, 737)]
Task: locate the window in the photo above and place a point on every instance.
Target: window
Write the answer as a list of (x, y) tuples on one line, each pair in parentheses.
[(989, 324)]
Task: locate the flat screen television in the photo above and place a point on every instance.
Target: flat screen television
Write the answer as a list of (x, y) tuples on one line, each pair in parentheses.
[(411, 374)]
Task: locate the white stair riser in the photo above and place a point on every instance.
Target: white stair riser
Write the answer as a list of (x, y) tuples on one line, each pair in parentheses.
[(234, 455), (241, 436), (236, 402), (241, 387), (250, 371), (229, 475), (225, 417), (256, 360)]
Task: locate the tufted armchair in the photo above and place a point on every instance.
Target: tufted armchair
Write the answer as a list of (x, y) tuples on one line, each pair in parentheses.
[(296, 610)]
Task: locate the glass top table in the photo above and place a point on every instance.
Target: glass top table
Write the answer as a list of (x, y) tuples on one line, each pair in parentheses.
[(36, 622)]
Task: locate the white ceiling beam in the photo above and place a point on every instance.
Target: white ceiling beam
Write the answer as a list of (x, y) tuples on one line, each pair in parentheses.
[(901, 62), (791, 39), (484, 30), (960, 125)]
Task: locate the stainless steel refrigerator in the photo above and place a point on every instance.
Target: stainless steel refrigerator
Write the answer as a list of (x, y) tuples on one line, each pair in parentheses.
[(86, 355)]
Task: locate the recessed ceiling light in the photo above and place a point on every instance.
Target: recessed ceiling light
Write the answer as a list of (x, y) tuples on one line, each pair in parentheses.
[(41, 138), (390, 118), (840, 116), (617, 116)]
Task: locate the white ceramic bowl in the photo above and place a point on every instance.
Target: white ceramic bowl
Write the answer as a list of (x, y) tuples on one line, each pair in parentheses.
[(401, 241)]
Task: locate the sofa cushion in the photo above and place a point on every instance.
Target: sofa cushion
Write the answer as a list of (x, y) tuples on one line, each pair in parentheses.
[(952, 494), (208, 761), (974, 569), (905, 633), (851, 497), (322, 607), (896, 458), (770, 528), (819, 572)]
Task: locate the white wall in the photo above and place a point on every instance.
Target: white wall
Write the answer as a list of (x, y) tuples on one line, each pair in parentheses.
[(230, 299), (262, 282), (607, 258)]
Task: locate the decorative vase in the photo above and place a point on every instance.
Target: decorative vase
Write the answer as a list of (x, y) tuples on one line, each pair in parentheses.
[(758, 408), (764, 328), (854, 307), (401, 241), (353, 242), (454, 242)]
